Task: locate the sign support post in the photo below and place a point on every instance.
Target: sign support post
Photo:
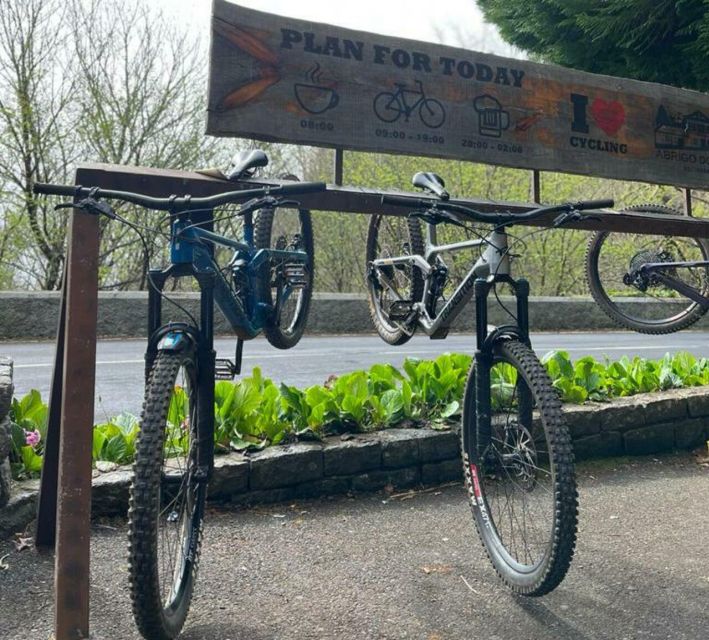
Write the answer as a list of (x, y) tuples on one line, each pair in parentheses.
[(338, 166), (65, 495)]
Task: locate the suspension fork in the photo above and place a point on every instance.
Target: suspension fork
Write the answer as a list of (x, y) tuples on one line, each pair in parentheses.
[(156, 283), (484, 355), (206, 357), (482, 363)]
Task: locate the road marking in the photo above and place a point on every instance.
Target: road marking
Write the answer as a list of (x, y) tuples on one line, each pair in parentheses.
[(424, 351)]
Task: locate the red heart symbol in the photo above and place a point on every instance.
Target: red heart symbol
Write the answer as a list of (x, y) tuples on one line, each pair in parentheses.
[(609, 116)]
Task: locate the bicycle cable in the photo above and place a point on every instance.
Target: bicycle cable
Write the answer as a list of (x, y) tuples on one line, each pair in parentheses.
[(149, 278), (146, 253), (523, 240)]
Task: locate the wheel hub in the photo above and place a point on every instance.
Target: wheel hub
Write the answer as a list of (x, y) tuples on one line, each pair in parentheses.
[(520, 456)]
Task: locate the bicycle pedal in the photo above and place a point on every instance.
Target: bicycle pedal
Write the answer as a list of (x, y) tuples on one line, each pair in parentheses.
[(401, 310), (224, 369)]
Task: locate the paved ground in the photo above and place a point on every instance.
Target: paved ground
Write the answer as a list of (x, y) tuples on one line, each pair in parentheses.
[(353, 569), (119, 383)]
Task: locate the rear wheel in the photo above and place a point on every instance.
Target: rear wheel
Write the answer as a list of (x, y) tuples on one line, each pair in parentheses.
[(520, 474), (167, 499), (289, 285), (642, 302), (432, 113), (392, 286)]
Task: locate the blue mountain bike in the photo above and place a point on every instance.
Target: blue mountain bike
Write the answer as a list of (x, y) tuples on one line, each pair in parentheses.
[(265, 286)]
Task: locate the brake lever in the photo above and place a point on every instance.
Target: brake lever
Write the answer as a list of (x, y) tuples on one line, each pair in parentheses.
[(574, 215), (437, 217), (258, 203), (90, 205)]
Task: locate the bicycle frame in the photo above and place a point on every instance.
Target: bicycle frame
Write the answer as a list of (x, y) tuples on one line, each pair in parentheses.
[(657, 270), (492, 267), (400, 96), (494, 263), (191, 253)]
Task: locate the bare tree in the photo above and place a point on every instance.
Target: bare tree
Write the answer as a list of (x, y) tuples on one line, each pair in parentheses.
[(141, 91), (91, 80), (141, 86), (36, 122)]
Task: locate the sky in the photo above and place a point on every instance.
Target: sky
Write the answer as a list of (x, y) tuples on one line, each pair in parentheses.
[(453, 22)]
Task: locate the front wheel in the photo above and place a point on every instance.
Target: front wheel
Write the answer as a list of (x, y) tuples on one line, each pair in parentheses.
[(519, 470), (288, 285), (167, 499), (640, 301)]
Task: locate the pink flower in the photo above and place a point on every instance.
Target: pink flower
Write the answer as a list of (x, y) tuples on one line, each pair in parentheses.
[(32, 438)]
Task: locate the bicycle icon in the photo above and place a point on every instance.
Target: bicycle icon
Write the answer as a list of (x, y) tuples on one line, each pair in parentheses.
[(390, 106)]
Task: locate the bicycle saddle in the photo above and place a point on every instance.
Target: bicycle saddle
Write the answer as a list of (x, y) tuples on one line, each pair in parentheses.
[(432, 183), (244, 164)]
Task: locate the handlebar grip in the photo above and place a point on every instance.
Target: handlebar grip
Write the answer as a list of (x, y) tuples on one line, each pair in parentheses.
[(402, 201), (594, 204), (54, 189), (299, 187)]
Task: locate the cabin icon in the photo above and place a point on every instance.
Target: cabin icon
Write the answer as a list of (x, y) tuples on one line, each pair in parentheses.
[(689, 132)]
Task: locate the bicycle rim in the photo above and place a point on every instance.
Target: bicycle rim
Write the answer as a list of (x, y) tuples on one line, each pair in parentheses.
[(645, 304), (520, 476), (167, 500)]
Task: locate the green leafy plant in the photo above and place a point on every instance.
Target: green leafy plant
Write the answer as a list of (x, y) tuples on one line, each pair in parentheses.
[(114, 441), (28, 430), (254, 412)]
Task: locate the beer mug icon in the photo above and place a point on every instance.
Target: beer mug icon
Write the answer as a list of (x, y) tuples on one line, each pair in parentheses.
[(492, 118)]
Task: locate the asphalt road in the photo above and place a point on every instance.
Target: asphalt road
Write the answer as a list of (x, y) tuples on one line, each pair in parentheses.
[(379, 567), (119, 380)]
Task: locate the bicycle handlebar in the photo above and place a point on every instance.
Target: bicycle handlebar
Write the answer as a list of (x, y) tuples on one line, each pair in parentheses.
[(175, 203), (494, 218)]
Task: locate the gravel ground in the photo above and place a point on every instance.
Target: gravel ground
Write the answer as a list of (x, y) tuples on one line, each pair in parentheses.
[(384, 567)]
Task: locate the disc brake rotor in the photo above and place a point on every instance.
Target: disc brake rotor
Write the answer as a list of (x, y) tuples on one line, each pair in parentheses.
[(521, 456)]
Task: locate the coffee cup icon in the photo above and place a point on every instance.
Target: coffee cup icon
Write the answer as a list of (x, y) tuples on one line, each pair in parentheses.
[(492, 118), (316, 98)]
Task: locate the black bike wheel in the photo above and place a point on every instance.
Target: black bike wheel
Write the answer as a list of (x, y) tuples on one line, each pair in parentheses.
[(289, 287), (645, 304), (520, 476), (387, 107), (432, 113), (387, 237), (166, 500)]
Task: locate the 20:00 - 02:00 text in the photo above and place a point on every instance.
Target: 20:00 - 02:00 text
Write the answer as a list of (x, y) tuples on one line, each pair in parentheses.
[(493, 146), (402, 135)]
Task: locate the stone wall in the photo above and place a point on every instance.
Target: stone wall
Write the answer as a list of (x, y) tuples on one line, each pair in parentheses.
[(34, 315), (401, 459), (6, 390)]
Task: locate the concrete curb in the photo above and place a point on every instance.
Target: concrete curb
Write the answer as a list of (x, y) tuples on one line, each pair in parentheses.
[(403, 458), (34, 315)]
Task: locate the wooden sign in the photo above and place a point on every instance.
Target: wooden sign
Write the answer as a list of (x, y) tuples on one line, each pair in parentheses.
[(287, 80)]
